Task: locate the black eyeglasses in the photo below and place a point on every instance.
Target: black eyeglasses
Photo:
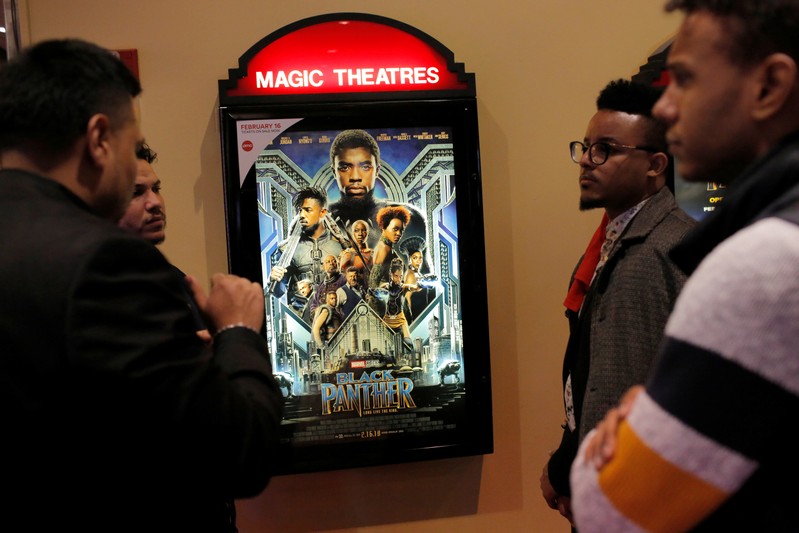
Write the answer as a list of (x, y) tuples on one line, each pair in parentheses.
[(599, 152)]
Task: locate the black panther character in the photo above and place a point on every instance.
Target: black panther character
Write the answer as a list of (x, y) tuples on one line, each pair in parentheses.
[(285, 381), (450, 368), (355, 161)]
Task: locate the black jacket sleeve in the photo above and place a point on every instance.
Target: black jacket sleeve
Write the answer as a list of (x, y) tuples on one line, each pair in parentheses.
[(560, 462), (208, 414)]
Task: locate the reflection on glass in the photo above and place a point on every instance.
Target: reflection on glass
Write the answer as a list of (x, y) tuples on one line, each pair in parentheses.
[(9, 33)]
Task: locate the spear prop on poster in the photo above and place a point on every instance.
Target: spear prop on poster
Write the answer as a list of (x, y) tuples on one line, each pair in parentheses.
[(343, 236)]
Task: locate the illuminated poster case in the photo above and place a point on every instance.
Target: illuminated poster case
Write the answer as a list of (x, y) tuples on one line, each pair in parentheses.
[(698, 199), (351, 169)]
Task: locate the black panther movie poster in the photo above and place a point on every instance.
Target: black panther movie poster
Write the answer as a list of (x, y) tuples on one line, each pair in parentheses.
[(359, 255)]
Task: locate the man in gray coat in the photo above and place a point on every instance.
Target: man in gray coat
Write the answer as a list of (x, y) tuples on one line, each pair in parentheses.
[(624, 287)]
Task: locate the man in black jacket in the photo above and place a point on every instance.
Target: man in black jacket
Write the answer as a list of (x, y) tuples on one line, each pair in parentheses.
[(116, 416)]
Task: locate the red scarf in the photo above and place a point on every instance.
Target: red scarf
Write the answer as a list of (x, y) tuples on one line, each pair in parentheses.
[(582, 278)]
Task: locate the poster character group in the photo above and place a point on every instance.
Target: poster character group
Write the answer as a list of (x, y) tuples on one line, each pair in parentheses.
[(359, 255)]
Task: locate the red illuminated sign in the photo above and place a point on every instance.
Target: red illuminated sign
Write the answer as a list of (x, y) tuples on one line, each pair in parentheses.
[(351, 54)]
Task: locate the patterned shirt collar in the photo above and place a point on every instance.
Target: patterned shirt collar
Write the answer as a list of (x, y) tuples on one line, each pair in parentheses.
[(618, 224), (612, 233)]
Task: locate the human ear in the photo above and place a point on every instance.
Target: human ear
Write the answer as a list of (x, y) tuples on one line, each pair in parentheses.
[(658, 163), (98, 133), (776, 80)]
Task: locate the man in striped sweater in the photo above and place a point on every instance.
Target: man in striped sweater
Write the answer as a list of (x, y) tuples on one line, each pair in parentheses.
[(704, 447)]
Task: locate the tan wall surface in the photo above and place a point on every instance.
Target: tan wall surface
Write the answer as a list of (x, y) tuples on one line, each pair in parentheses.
[(539, 66)]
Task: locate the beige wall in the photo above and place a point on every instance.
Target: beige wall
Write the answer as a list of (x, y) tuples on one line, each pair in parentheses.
[(539, 66)]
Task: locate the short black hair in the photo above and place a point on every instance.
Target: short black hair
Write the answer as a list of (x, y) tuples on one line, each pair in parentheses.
[(49, 92), (310, 192), (635, 98), (628, 96), (145, 153), (349, 139), (756, 28)]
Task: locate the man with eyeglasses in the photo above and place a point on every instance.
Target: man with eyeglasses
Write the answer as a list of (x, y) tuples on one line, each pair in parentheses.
[(624, 286)]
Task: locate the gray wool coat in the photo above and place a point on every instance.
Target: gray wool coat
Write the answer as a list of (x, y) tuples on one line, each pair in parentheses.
[(614, 342)]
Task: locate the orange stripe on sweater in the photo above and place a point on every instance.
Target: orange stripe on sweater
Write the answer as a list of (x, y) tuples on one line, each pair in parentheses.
[(652, 492)]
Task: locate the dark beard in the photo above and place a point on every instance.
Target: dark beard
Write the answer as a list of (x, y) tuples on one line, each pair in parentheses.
[(348, 209), (586, 205), (308, 231)]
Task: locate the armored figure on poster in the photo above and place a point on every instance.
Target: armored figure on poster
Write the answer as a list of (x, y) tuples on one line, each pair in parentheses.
[(332, 280), (392, 222), (286, 382), (327, 319), (449, 368), (393, 293), (315, 242), (413, 249), (355, 159), (359, 255)]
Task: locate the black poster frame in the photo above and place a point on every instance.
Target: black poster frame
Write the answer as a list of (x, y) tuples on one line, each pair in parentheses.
[(452, 411)]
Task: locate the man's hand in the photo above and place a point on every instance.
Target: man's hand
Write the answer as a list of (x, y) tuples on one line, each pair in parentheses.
[(205, 336), (277, 273), (601, 445), (550, 496), (562, 504), (233, 300)]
